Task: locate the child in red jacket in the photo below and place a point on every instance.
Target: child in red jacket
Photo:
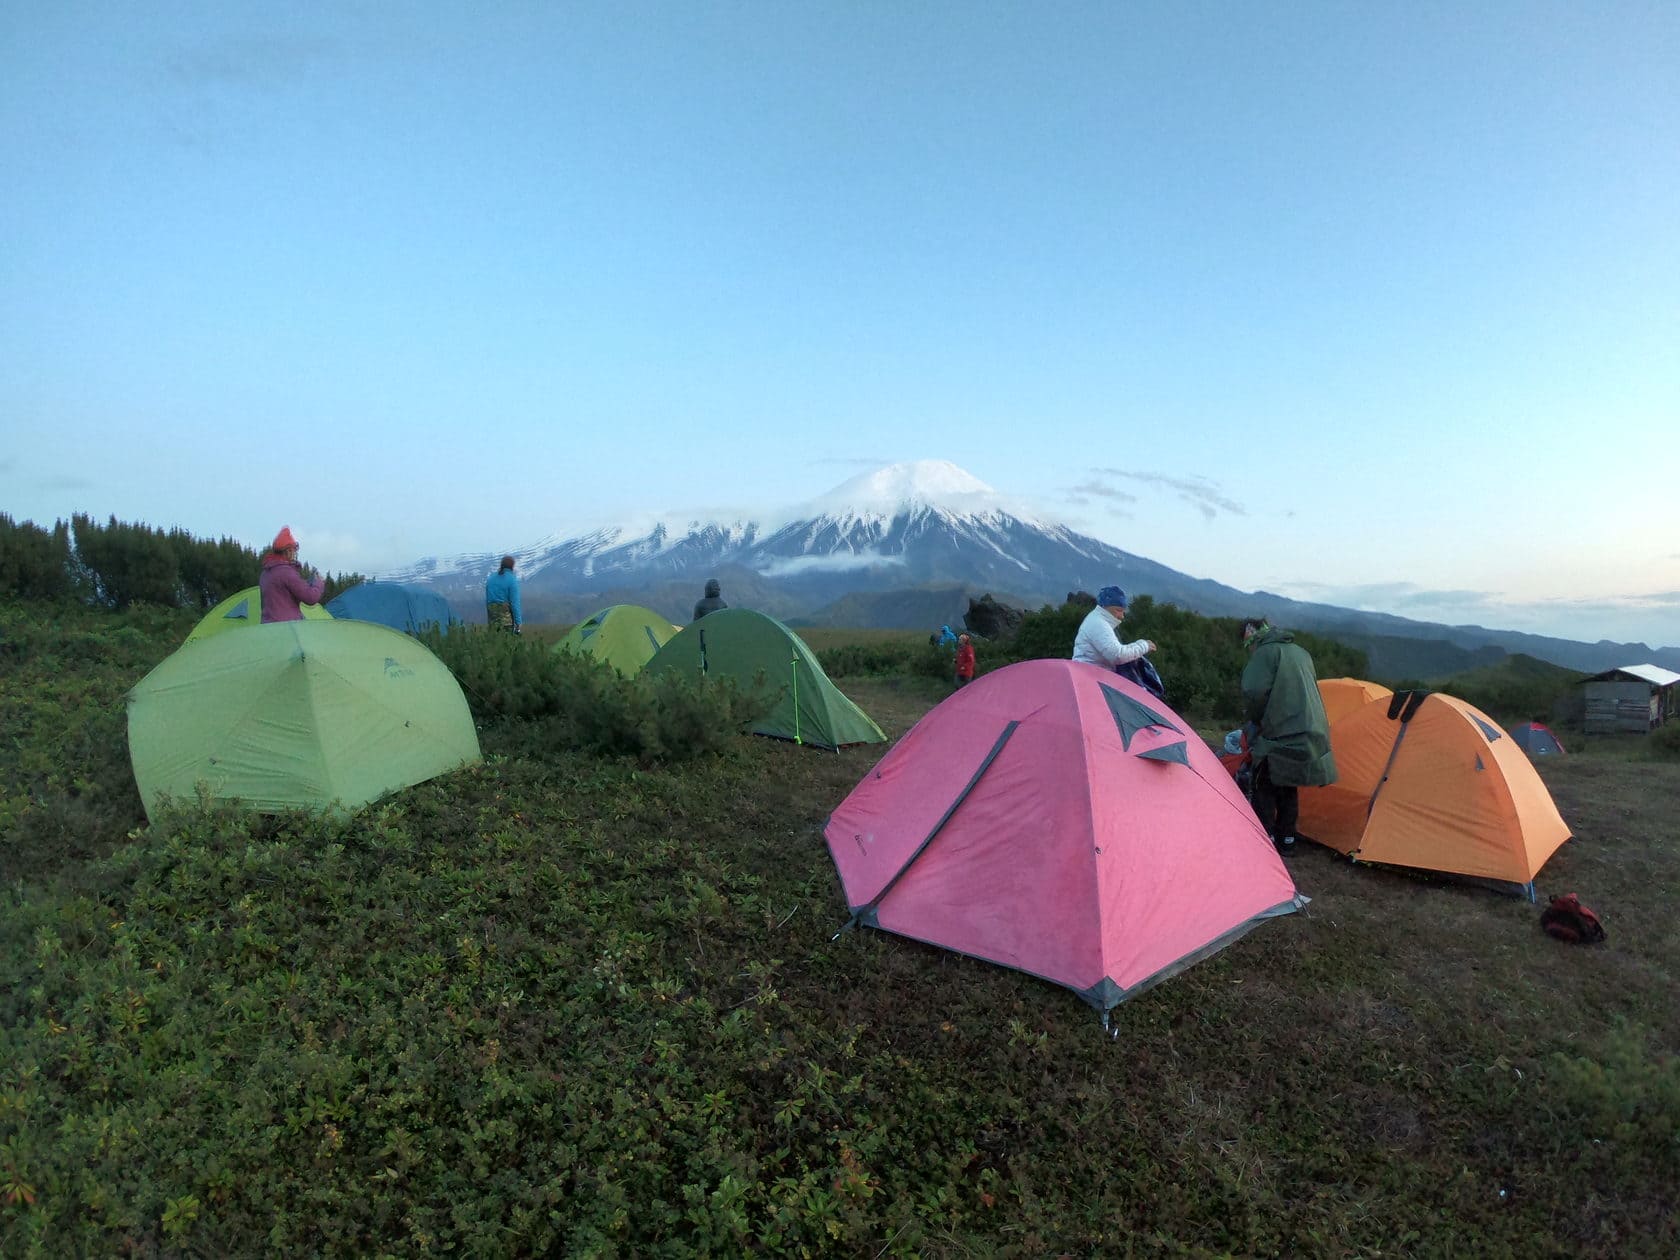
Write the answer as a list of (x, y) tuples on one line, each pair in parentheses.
[(965, 660)]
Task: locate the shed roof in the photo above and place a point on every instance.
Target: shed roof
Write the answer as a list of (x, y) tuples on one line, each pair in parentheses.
[(1656, 675)]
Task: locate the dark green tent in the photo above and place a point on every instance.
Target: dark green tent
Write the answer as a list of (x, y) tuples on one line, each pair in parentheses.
[(737, 643)]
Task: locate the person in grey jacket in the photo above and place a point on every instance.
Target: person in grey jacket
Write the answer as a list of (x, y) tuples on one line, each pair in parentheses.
[(712, 602)]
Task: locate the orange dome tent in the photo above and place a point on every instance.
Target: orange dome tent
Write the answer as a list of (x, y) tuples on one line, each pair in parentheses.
[(1431, 782), (1343, 696)]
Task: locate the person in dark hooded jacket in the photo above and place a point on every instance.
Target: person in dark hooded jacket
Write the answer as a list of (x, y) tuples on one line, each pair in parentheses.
[(1288, 733), (712, 602)]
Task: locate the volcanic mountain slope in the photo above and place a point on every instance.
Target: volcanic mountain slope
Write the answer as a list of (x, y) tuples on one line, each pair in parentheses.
[(921, 524), (925, 526)]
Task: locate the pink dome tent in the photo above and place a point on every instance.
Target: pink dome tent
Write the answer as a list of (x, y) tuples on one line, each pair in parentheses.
[(1055, 818)]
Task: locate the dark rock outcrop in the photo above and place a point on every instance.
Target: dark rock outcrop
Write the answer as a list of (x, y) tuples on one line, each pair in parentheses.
[(991, 620)]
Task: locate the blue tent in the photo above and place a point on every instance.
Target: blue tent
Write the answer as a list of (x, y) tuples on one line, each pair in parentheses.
[(1536, 740), (395, 604)]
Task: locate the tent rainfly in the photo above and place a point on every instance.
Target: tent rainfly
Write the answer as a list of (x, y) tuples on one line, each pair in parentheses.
[(1342, 696), (400, 605), (1537, 740), (1055, 818), (1430, 782), (625, 636), (297, 715), (244, 608), (741, 643)]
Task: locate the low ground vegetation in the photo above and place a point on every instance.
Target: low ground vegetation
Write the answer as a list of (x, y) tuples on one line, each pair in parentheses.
[(584, 999), (557, 700)]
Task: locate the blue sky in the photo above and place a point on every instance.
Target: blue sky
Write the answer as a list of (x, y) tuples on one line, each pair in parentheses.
[(1378, 305)]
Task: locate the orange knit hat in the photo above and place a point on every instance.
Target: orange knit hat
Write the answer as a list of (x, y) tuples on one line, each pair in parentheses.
[(283, 541)]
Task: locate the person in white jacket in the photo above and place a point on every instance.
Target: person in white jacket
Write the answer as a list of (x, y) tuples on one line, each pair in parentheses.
[(1098, 640)]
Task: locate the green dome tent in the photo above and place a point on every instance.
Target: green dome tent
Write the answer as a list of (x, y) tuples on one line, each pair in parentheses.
[(244, 608), (624, 636), (299, 714), (737, 643)]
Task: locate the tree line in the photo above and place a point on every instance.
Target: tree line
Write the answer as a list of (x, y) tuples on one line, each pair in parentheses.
[(120, 563)]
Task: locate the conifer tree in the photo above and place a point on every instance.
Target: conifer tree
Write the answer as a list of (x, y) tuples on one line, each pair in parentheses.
[(34, 564)]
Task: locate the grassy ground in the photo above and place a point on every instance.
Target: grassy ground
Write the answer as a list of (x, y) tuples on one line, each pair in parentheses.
[(817, 638), (564, 1005)]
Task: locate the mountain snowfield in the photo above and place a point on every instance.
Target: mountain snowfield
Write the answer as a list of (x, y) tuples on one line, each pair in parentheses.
[(904, 545), (926, 485), (877, 520)]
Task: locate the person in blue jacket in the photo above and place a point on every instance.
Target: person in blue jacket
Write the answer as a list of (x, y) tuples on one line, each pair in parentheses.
[(501, 599)]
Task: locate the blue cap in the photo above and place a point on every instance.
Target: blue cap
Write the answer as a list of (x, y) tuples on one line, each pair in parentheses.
[(1111, 596)]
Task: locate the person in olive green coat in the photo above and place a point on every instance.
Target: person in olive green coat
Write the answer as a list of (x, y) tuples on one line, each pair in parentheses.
[(1288, 734)]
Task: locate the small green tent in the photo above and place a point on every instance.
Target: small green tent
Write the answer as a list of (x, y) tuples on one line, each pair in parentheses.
[(298, 714), (624, 636), (737, 643), (244, 608)]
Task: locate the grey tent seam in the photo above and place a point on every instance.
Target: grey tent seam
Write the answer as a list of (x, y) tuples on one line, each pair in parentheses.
[(1405, 725), (869, 907)]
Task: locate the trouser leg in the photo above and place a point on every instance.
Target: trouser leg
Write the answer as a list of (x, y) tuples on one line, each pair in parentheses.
[(1264, 798), (1288, 810)]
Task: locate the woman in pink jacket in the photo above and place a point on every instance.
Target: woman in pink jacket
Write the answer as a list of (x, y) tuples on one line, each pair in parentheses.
[(282, 584)]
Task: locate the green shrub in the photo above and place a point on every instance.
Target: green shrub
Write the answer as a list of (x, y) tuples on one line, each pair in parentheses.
[(1047, 633), (916, 659), (66, 787), (1519, 688), (1200, 659), (1624, 1093), (572, 701), (856, 660), (1664, 742)]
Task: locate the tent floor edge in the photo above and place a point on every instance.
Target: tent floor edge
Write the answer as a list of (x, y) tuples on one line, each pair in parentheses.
[(1098, 993), (1490, 883)]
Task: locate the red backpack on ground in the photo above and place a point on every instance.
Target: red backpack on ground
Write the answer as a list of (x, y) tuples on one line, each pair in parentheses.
[(1568, 920)]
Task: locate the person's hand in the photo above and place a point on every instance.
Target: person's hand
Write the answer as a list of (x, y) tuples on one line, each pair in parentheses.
[(1150, 648)]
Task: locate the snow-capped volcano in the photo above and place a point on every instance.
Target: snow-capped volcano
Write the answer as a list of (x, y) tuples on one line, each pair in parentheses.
[(901, 545), (908, 524), (924, 485)]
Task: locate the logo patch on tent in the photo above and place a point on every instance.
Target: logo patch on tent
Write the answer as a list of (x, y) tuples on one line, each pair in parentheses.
[(393, 669), (239, 612)]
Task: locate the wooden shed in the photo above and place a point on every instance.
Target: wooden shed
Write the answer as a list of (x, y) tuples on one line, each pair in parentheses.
[(1631, 698)]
